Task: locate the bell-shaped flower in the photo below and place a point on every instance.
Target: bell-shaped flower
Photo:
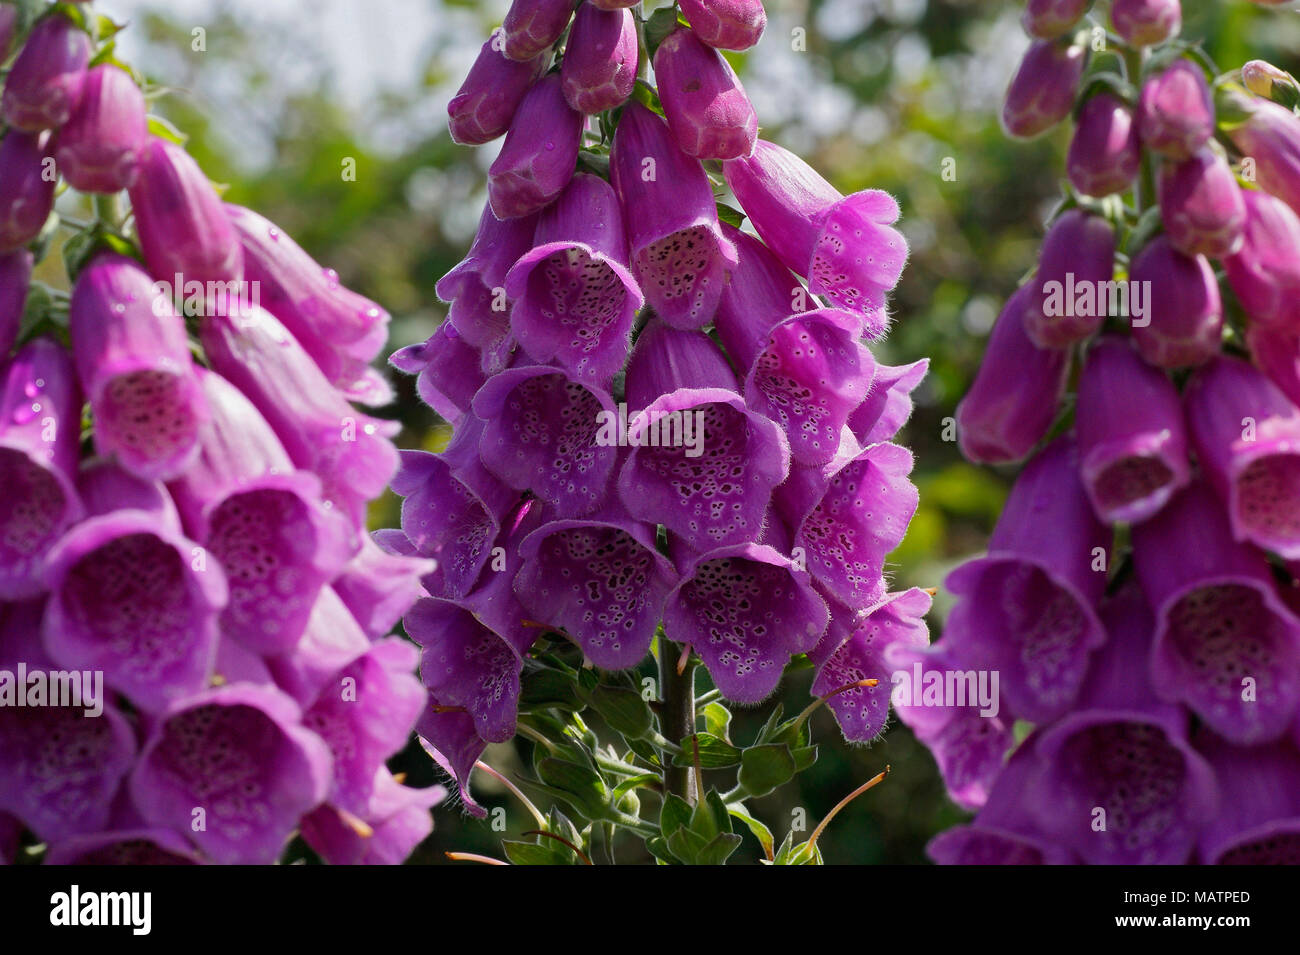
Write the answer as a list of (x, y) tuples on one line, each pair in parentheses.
[(1049, 19), (45, 82), (485, 105), (726, 24), (1201, 205), (600, 59), (1175, 111), (99, 148), (448, 368), (1258, 822), (27, 182), (1105, 155), (15, 279), (708, 111), (382, 581), (533, 26), (538, 157), (396, 820), (1184, 321), (1270, 135), (1042, 92), (1146, 22), (666, 358), (888, 404), (132, 847), (1265, 272), (1075, 266)]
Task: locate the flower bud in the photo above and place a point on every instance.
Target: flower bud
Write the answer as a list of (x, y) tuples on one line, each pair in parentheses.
[(532, 26), (1265, 272), (487, 101), (1264, 79), (15, 277), (99, 148), (1146, 22), (27, 181), (1105, 155), (1185, 321), (1075, 268), (1175, 112), (539, 155), (1201, 205), (707, 109), (1049, 19), (726, 24), (600, 59), (666, 358), (182, 226), (45, 82), (1269, 135), (1042, 92)]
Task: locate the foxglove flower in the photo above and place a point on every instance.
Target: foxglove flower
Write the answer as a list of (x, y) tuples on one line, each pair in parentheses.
[(1247, 435), (1146, 22), (133, 358), (1175, 111), (1278, 355), (1201, 205), (726, 24), (1049, 19), (99, 148), (132, 847), (395, 821), (332, 641), (448, 370), (1027, 609), (678, 252), (1265, 272), (745, 609), (844, 246), (683, 357), (542, 432), (1270, 135), (1042, 92), (1184, 322), (15, 278), (486, 103), (47, 78), (241, 755), (537, 160), (27, 182), (182, 226), (574, 298), (707, 108), (1225, 644), (1105, 155), (888, 404), (531, 26), (382, 581), (1258, 822), (1013, 401), (762, 294), (1132, 440), (1077, 261), (600, 59)]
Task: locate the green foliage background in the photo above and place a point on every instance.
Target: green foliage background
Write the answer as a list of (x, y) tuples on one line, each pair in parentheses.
[(885, 91)]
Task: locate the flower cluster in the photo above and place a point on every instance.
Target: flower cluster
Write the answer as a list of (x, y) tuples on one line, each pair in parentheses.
[(658, 427), (194, 651), (1138, 598)]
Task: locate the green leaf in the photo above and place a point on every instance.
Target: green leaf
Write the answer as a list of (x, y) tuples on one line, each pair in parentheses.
[(548, 852), (764, 768), (582, 787), (715, 753), (624, 710), (731, 215), (661, 23), (760, 831), (547, 688), (160, 127), (717, 720), (767, 733), (658, 847), (676, 814)]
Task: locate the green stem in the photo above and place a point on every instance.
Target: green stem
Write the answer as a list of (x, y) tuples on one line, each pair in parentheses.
[(678, 716)]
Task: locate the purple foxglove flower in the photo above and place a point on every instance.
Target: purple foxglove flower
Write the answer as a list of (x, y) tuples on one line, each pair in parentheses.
[(1278, 355), (1049, 19), (99, 148), (726, 24), (666, 358), (332, 641), (341, 330), (449, 370), (133, 358), (762, 294), (1132, 440), (1175, 111), (1201, 205), (602, 580), (704, 466), (1184, 321), (1026, 609), (813, 373), (15, 278), (350, 452), (45, 82), (1247, 437), (540, 152), (600, 59), (1076, 265), (380, 584), (848, 515), (40, 439), (447, 734), (1123, 753), (1258, 822), (62, 768), (487, 101), (574, 298), (365, 714), (532, 26), (184, 231), (888, 404), (1042, 92), (1105, 155), (124, 847), (1265, 272), (452, 512), (547, 433), (679, 254), (132, 597), (395, 821), (746, 609), (968, 742), (262, 521), (241, 754), (1269, 134), (1225, 644), (844, 246), (1146, 22), (865, 655), (1004, 832), (708, 111), (27, 182)]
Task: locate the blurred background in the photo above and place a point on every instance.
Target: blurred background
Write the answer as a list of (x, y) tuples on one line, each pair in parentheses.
[(276, 95)]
